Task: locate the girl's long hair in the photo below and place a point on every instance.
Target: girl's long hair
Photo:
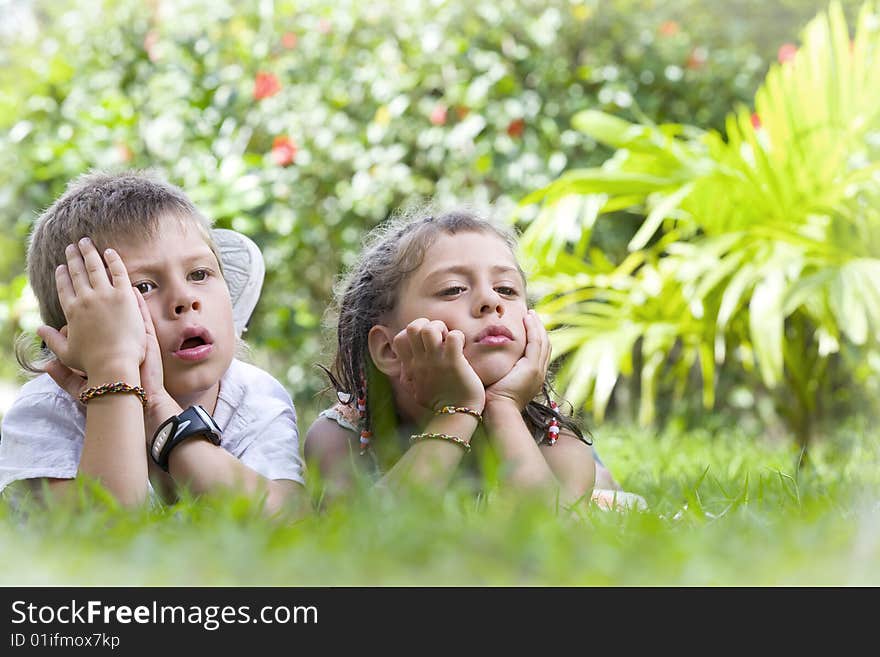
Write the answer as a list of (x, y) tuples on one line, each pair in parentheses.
[(369, 292)]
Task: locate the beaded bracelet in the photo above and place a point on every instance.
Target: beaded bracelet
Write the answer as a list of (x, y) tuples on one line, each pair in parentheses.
[(119, 386), (452, 410), (440, 436)]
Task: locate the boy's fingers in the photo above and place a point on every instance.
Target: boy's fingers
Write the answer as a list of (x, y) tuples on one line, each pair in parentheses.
[(65, 377), (145, 312), (118, 272), (55, 340), (64, 285), (76, 268), (93, 264)]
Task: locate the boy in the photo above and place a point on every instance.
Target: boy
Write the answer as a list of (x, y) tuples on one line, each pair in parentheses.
[(131, 290)]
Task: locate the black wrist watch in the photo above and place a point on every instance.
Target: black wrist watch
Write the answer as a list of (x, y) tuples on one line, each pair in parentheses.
[(194, 421)]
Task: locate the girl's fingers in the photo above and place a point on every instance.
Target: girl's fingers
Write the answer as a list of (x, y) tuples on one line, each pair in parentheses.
[(413, 332), (546, 346), (93, 264), (533, 339), (118, 272), (455, 342), (403, 346), (432, 336)]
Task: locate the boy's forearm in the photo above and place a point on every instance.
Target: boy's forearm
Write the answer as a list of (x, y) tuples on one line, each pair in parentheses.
[(113, 448), (203, 467)]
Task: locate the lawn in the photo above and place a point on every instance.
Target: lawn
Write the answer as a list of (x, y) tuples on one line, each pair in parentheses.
[(726, 509)]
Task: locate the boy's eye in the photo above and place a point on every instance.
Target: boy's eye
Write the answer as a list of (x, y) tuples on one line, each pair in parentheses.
[(452, 290), (506, 291), (144, 286), (200, 275)]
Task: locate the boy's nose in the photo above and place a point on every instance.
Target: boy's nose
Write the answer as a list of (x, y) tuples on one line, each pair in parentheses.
[(193, 304)]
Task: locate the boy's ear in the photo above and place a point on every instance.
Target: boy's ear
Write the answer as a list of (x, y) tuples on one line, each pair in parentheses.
[(381, 344)]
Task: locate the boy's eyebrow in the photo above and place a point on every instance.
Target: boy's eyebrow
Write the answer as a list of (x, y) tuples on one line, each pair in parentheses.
[(149, 265)]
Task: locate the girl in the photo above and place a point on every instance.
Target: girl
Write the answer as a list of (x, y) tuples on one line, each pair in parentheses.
[(438, 350)]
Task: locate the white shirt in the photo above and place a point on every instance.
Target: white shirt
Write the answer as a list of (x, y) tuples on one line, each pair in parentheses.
[(43, 431)]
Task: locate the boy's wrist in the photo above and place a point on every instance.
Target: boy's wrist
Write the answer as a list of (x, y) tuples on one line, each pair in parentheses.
[(159, 408), (109, 372)]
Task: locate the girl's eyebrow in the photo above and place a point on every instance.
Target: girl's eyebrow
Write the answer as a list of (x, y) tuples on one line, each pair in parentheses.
[(465, 271)]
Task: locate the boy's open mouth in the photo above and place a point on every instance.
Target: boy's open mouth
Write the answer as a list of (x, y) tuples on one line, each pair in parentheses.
[(196, 344)]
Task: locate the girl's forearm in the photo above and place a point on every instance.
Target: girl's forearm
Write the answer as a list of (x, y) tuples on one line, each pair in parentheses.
[(432, 462), (522, 460)]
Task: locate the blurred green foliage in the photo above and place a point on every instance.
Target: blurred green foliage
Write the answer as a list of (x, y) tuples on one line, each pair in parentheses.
[(764, 244), (305, 123)]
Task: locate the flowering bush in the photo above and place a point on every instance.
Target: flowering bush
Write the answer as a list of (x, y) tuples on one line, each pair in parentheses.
[(304, 123)]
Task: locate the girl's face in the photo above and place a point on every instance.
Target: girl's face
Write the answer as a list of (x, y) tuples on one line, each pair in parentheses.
[(471, 282)]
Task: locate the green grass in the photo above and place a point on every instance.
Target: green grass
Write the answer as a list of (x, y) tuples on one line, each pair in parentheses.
[(725, 510)]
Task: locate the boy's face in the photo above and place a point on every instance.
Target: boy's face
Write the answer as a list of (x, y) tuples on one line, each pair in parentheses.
[(180, 279), (471, 282)]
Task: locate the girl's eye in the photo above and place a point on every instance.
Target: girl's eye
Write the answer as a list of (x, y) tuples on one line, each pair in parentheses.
[(144, 286), (506, 291), (452, 291), (200, 275)]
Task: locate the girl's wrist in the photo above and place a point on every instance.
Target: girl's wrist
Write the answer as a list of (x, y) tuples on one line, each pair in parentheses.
[(502, 403)]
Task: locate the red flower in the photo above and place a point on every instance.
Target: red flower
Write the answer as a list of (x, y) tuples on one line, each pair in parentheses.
[(150, 41), (516, 127), (697, 58), (438, 114), (786, 52), (283, 150), (123, 152), (265, 85), (756, 121), (288, 40), (668, 28)]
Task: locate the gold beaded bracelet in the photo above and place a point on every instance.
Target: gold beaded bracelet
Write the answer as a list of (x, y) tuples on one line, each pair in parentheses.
[(107, 388), (452, 410), (440, 436)]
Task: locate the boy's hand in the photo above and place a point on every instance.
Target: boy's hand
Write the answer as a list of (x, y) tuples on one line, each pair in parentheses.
[(434, 367), (160, 405), (73, 381), (524, 381), (105, 329)]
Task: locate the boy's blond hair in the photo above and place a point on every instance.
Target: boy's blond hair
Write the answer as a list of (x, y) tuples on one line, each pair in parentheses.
[(109, 208)]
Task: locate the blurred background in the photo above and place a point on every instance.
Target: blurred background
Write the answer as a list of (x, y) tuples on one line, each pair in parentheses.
[(304, 124)]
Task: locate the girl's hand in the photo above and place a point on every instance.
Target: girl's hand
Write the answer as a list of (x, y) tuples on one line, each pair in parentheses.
[(434, 368), (525, 379), (105, 330)]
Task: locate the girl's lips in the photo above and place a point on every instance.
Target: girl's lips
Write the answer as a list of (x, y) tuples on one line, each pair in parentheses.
[(494, 340), (195, 353)]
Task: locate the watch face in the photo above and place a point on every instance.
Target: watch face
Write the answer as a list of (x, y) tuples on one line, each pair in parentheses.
[(162, 436)]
